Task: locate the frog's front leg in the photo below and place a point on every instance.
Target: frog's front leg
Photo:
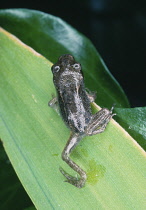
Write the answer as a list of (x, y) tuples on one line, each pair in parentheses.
[(71, 144), (91, 95), (99, 121), (53, 103)]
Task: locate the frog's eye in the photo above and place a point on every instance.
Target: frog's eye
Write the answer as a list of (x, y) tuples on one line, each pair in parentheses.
[(57, 68), (77, 66)]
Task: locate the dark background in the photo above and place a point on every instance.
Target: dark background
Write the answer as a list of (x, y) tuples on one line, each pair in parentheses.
[(117, 28)]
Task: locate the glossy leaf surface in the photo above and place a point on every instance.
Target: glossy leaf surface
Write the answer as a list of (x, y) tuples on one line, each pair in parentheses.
[(134, 121)]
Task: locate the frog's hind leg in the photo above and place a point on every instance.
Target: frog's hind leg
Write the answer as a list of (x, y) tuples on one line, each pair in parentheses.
[(99, 121), (72, 142)]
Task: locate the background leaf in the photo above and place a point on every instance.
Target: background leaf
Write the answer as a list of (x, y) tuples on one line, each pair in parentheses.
[(34, 136), (52, 37), (134, 120)]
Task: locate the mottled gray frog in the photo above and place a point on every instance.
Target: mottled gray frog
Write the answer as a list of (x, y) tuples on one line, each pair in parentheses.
[(74, 101)]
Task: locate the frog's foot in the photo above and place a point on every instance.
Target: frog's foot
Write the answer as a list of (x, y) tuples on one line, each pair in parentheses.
[(91, 95), (73, 180), (53, 102), (99, 121), (68, 176)]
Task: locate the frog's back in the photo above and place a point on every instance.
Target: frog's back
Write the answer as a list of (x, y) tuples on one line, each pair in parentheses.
[(75, 109), (73, 101)]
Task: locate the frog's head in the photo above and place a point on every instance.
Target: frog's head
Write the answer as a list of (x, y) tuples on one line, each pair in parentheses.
[(66, 71), (66, 63)]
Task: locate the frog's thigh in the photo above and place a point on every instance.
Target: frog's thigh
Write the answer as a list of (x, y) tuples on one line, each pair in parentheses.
[(99, 122)]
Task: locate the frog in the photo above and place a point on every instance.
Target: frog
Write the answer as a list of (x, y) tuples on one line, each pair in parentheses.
[(74, 103)]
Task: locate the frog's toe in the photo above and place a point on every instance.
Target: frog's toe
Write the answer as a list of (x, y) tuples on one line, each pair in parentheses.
[(68, 176), (73, 180)]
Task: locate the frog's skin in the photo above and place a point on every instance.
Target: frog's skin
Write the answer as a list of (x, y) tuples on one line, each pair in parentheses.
[(74, 106)]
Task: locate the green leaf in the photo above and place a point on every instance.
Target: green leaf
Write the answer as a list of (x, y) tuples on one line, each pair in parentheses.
[(34, 136), (52, 37), (31, 208), (134, 121)]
